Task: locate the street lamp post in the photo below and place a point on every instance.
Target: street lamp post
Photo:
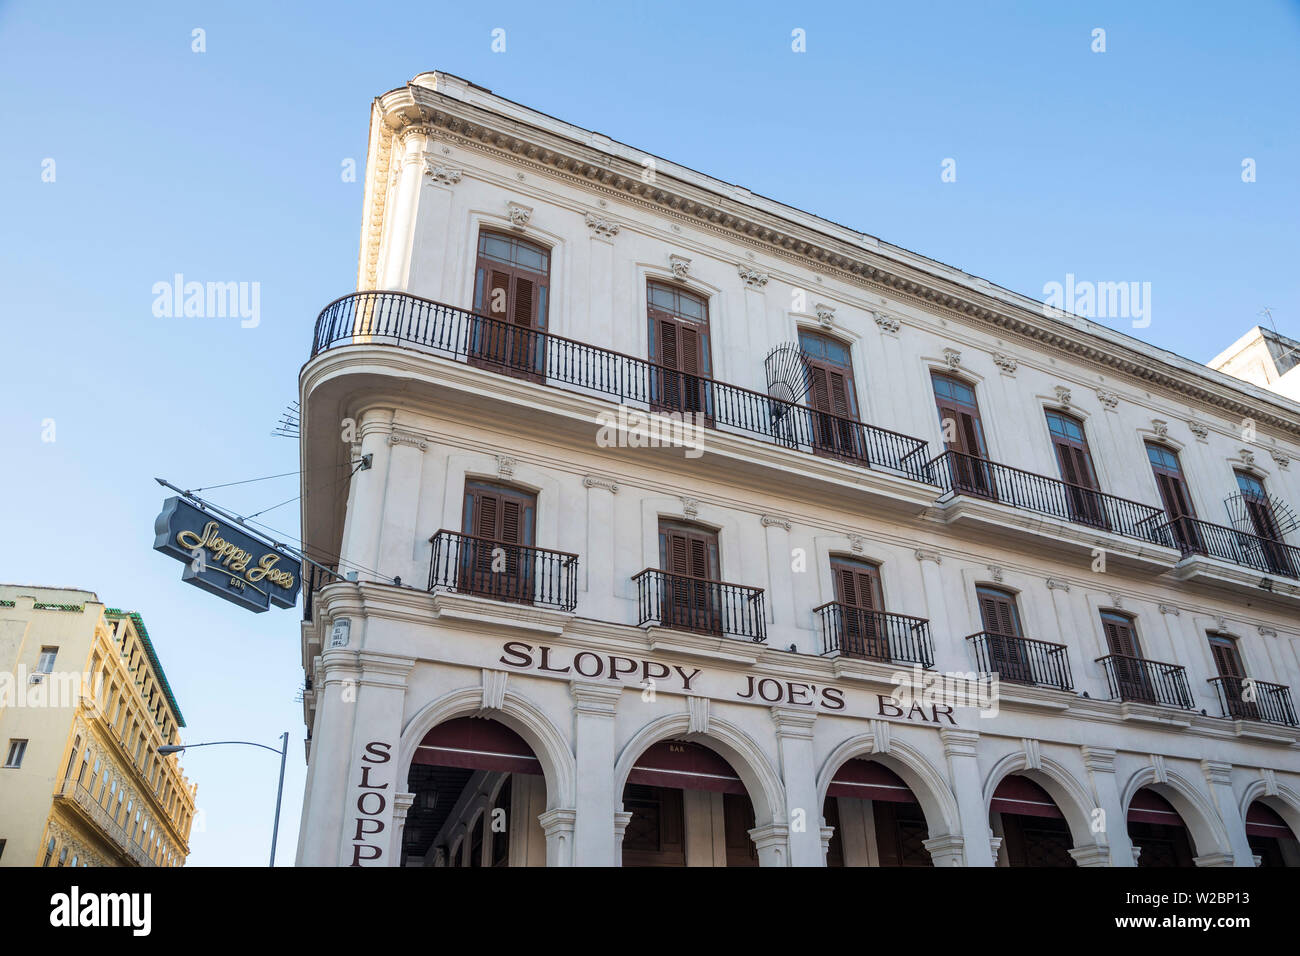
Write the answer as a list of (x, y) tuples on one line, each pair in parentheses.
[(279, 792)]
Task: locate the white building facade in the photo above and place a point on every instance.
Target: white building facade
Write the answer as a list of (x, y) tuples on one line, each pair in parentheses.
[(566, 629)]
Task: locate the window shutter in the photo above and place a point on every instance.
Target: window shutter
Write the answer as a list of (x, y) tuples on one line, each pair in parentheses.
[(510, 522), (699, 558), (820, 394), (1226, 658), (523, 305), (668, 344), (489, 508), (839, 397), (499, 294)]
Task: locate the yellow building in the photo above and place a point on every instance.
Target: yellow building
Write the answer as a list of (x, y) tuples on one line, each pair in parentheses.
[(84, 707)]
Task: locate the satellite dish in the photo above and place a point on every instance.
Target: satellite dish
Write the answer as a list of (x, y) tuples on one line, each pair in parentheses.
[(788, 376)]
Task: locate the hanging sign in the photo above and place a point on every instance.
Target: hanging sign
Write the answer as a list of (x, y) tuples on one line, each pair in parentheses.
[(225, 560)]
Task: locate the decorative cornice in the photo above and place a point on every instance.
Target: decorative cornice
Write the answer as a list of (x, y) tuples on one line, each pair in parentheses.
[(1005, 363), (775, 521), (443, 175), (604, 228), (594, 481), (752, 278), (814, 243), (405, 438)]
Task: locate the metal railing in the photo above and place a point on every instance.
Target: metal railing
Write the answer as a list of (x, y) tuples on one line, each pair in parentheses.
[(517, 573), (401, 319), (1194, 536), (315, 579), (1147, 682), (964, 474), (1021, 660), (106, 821), (875, 635), (687, 603), (1244, 698)]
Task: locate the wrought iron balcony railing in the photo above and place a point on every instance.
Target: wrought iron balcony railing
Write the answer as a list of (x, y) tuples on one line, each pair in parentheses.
[(1146, 682), (875, 635), (406, 320), (507, 572), (1193, 536), (964, 474), (696, 604), (1244, 698), (1021, 660)]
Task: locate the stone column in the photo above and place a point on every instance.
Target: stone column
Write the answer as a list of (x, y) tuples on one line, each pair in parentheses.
[(963, 767), (780, 582), (396, 552), (621, 819), (600, 539), (409, 149), (949, 650), (401, 804), (946, 850), (593, 745), (794, 739), (372, 778), (360, 548), (559, 825), (1218, 775), (321, 827), (772, 843), (1105, 792)]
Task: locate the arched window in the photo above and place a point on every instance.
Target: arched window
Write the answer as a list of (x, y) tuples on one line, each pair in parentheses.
[(511, 285), (681, 380), (499, 523), (1256, 516), (963, 434), (832, 394), (862, 627), (1002, 645), (1175, 496), (1074, 460)]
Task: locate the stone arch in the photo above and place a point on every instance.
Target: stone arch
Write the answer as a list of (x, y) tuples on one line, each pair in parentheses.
[(1207, 830), (753, 767), (926, 782), (1286, 802), (516, 712), (1071, 797)]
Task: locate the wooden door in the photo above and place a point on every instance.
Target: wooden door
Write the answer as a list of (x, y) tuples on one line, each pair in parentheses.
[(1001, 622), (1227, 661), (1074, 461), (511, 286), (691, 598), (1175, 497), (862, 628), (497, 559), (738, 820), (831, 397), (679, 351), (1133, 682), (835, 848), (901, 832), (963, 431), (656, 834)]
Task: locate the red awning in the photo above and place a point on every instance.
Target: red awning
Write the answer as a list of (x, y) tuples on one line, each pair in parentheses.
[(868, 780), (1149, 807), (685, 766), (1263, 821), (1020, 795), (472, 743)]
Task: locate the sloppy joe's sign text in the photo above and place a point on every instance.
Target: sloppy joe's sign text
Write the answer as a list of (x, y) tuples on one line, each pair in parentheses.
[(751, 689), (225, 561)]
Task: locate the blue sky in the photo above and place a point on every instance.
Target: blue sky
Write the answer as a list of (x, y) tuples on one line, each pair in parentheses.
[(225, 166)]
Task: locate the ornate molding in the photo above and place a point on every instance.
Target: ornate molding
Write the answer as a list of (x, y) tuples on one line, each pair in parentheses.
[(1054, 585), (1098, 759), (494, 688), (602, 227), (825, 315), (595, 700), (951, 358), (1005, 363), (1158, 765), (858, 543), (594, 481), (880, 740), (775, 521), (505, 466), (887, 323), (690, 507), (996, 573), (443, 175), (1116, 600), (1109, 400), (1170, 609), (1200, 430), (518, 214), (1247, 457), (1266, 631), (406, 438), (1062, 395), (680, 266), (752, 278), (698, 710), (799, 238), (1160, 427), (1281, 459), (1033, 754), (923, 555)]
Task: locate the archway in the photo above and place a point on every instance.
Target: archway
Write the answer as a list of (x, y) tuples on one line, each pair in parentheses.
[(1158, 831), (875, 818), (477, 790), (687, 806), (1271, 838), (1033, 829)]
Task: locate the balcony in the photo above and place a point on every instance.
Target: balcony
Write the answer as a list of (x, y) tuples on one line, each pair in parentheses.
[(1021, 660), (1146, 682), (686, 603), (504, 572), (962, 474), (875, 635), (104, 821), (1195, 537), (1244, 698), (408, 321)]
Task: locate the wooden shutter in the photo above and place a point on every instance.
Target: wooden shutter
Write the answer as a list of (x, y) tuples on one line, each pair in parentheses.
[(998, 611), (1120, 636), (1226, 658)]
